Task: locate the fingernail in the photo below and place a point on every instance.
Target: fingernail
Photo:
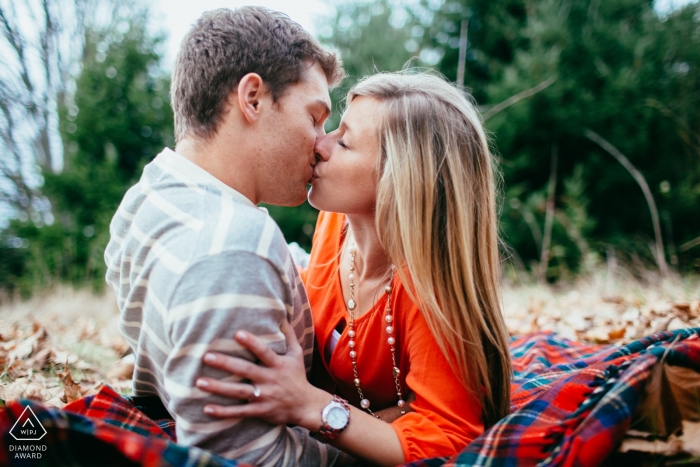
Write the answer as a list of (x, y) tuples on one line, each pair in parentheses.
[(202, 383), (241, 336), (210, 358), (208, 410)]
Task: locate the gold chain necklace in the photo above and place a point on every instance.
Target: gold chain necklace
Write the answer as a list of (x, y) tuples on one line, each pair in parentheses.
[(364, 402)]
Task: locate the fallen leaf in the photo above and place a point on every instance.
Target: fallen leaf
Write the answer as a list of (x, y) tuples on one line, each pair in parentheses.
[(62, 356), (682, 310), (71, 388), (695, 309), (124, 369), (92, 390), (55, 402), (691, 437), (614, 299), (616, 333), (28, 346), (23, 388), (676, 324), (598, 335), (655, 446), (39, 359), (630, 315), (120, 346)]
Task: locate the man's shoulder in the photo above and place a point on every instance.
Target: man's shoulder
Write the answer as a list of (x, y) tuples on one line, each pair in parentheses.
[(171, 222), (203, 219)]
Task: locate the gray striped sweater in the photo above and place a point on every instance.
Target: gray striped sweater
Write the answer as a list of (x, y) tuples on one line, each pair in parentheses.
[(192, 261)]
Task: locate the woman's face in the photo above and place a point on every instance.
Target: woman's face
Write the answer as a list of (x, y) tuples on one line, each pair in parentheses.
[(345, 178)]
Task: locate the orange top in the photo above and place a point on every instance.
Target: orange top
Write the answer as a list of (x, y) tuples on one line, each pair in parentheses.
[(446, 417)]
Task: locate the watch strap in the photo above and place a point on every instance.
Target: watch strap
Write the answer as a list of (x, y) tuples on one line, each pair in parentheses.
[(326, 431)]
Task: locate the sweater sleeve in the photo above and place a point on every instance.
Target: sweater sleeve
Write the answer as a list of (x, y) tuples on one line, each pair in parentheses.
[(446, 417), (214, 298)]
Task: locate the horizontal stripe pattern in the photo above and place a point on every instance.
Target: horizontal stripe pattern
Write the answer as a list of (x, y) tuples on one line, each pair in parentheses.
[(191, 262)]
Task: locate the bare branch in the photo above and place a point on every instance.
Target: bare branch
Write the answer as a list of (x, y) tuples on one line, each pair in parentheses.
[(687, 134), (688, 245), (637, 175), (35, 71), (518, 97), (549, 216)]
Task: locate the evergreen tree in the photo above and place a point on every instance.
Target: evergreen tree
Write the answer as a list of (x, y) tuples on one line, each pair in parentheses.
[(618, 67)]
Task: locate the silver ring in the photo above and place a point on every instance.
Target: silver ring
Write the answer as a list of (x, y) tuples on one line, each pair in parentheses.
[(256, 391)]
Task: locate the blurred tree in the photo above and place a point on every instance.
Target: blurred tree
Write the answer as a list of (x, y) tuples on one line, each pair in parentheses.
[(619, 67), (627, 73), (117, 121), (39, 43), (371, 37)]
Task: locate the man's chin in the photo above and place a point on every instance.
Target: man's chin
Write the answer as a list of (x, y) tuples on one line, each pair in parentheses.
[(287, 201)]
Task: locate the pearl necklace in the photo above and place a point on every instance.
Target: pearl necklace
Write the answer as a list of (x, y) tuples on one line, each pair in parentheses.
[(364, 402)]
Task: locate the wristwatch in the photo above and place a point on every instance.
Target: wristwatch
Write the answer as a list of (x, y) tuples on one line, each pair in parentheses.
[(335, 417)]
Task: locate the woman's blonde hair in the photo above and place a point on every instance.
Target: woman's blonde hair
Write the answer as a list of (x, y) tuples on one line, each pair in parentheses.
[(436, 218)]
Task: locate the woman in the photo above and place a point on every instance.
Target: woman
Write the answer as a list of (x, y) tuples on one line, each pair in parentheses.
[(403, 283)]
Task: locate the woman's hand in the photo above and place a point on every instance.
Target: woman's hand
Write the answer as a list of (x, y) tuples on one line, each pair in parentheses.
[(279, 393)]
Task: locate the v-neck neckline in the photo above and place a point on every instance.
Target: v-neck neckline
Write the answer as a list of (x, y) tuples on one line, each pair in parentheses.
[(339, 283), (345, 314)]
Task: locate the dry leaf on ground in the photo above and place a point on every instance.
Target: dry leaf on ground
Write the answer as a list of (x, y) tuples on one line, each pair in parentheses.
[(71, 389)]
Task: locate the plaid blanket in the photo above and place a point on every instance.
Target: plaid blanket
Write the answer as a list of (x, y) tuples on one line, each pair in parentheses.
[(105, 429), (571, 405)]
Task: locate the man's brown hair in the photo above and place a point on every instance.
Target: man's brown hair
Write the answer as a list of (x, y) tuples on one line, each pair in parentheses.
[(223, 46)]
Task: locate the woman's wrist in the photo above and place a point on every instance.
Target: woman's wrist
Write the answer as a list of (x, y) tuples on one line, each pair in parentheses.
[(310, 412)]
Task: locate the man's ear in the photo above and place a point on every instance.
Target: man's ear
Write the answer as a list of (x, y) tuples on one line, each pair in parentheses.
[(250, 92)]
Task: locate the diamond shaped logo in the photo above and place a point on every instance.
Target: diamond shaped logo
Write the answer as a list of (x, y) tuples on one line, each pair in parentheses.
[(28, 427)]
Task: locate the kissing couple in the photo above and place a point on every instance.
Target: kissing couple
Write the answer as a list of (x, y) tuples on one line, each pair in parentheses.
[(389, 345)]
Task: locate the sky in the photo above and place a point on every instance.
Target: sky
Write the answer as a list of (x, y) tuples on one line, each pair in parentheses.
[(176, 16), (668, 5)]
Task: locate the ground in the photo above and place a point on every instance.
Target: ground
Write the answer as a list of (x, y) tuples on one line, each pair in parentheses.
[(65, 344)]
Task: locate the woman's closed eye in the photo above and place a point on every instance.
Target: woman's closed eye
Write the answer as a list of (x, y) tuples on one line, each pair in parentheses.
[(342, 143)]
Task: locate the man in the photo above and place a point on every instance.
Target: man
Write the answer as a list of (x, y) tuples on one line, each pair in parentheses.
[(191, 258)]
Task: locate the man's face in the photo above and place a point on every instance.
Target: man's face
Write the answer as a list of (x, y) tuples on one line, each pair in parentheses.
[(287, 153)]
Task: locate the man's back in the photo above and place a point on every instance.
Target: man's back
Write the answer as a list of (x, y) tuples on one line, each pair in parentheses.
[(192, 261)]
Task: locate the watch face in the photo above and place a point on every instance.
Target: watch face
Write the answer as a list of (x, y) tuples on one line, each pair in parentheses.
[(337, 418)]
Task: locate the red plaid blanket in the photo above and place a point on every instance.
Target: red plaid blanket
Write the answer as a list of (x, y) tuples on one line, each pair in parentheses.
[(572, 404), (104, 429)]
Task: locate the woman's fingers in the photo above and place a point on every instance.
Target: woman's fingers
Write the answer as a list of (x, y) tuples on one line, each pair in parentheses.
[(234, 365), (293, 347), (243, 391), (259, 348), (280, 392)]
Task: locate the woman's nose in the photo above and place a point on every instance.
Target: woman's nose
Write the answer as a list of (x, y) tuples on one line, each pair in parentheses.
[(322, 148)]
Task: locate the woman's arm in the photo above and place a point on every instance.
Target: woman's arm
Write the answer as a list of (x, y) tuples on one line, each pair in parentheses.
[(286, 397)]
